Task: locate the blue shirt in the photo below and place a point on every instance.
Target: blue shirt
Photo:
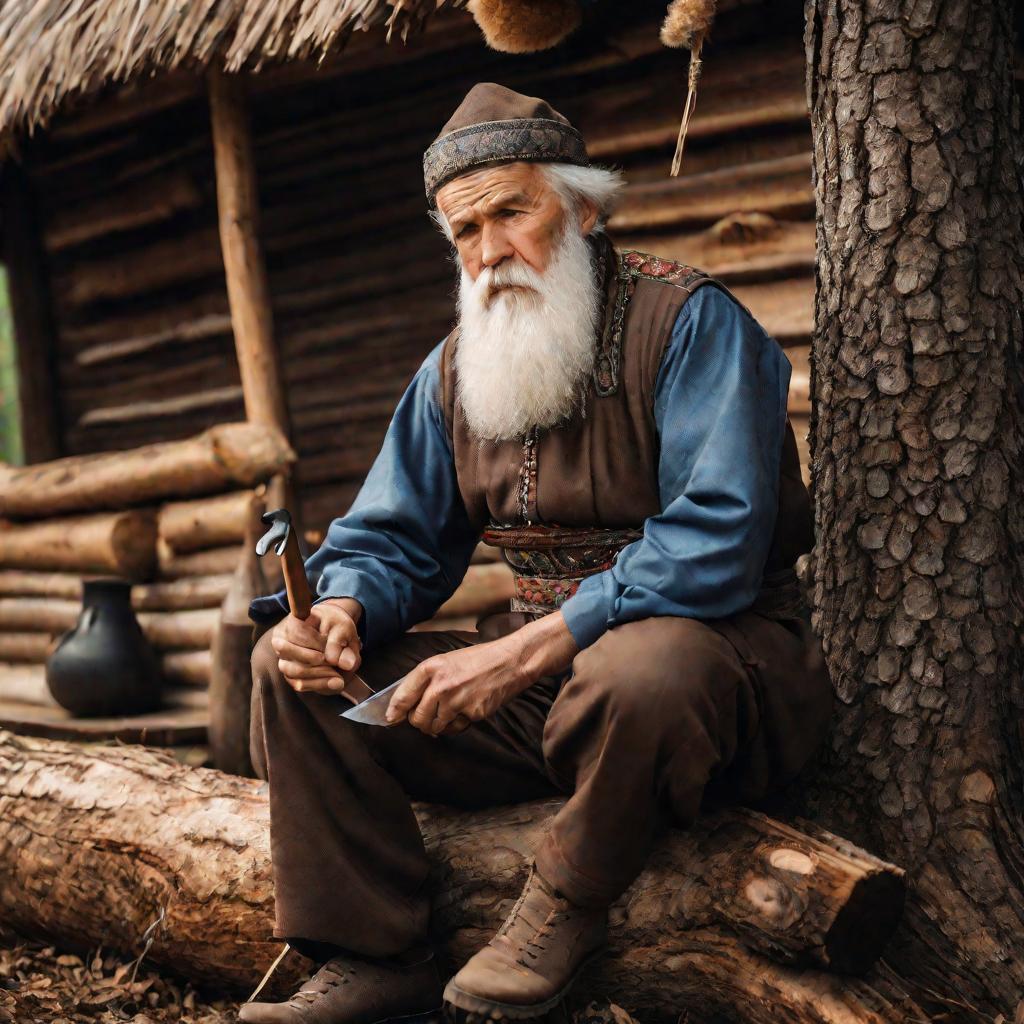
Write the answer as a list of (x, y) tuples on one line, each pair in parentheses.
[(720, 413)]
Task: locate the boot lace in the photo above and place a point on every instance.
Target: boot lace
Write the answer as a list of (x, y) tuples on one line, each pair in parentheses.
[(329, 977)]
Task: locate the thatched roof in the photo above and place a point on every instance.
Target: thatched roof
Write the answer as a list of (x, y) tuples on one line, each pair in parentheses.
[(52, 50)]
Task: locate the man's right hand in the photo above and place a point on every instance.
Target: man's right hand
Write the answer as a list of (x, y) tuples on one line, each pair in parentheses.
[(314, 654)]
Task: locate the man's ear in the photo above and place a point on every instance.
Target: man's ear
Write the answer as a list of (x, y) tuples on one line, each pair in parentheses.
[(588, 216)]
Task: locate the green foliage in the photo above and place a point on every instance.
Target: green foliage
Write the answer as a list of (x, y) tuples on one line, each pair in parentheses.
[(10, 433)]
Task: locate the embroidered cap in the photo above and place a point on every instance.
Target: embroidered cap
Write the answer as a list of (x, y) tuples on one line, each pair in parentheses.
[(494, 125)]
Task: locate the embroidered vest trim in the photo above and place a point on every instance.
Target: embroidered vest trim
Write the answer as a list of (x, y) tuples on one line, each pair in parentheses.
[(630, 266)]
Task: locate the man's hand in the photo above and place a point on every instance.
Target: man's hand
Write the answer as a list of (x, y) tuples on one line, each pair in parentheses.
[(315, 654), (447, 692)]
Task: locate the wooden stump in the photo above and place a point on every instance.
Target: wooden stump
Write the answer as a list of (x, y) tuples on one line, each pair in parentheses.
[(98, 844)]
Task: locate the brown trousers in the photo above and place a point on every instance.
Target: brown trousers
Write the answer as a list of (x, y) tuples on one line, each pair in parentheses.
[(656, 716)]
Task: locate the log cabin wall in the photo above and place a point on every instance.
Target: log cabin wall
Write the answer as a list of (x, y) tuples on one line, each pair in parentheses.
[(360, 281)]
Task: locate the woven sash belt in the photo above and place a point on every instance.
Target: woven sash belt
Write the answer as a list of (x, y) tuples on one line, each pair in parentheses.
[(550, 562)]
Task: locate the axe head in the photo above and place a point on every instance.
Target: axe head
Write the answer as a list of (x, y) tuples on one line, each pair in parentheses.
[(280, 522)]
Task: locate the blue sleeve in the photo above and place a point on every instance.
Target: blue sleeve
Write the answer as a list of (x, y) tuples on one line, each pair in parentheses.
[(405, 544), (720, 411)]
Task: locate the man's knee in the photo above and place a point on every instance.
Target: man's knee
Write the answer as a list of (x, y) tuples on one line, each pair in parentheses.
[(658, 669)]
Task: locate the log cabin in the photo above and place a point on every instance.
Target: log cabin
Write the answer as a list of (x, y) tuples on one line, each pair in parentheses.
[(120, 122), (204, 212)]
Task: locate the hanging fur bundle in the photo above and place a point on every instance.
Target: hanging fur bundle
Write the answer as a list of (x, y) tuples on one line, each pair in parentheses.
[(686, 25), (522, 26)]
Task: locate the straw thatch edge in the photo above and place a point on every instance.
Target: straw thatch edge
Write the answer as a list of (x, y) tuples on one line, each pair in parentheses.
[(53, 50)]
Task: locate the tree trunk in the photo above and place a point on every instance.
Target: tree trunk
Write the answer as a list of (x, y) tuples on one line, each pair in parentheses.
[(119, 838), (918, 484)]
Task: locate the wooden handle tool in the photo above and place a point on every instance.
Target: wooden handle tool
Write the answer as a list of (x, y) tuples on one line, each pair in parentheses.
[(282, 538)]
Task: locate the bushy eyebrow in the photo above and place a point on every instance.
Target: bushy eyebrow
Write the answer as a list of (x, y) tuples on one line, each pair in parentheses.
[(498, 202), (503, 199)]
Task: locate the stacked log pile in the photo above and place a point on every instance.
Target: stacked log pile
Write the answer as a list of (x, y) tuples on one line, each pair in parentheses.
[(360, 282), (108, 515)]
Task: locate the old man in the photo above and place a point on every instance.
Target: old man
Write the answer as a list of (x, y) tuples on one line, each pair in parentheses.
[(616, 424)]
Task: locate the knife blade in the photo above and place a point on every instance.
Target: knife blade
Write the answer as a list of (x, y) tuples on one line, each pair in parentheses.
[(372, 710)]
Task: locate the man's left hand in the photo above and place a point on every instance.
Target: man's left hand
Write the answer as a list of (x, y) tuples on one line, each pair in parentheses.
[(447, 692)]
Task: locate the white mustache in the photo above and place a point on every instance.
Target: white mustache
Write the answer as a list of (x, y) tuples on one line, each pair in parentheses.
[(510, 274)]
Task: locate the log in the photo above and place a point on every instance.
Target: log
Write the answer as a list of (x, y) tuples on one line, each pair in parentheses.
[(176, 630), (123, 543), (223, 457), (40, 584), (204, 522), (214, 562), (485, 588), (148, 202), (780, 187), (187, 668), (38, 614), (32, 648), (24, 684), (222, 399), (120, 837), (156, 265), (181, 595), (738, 247)]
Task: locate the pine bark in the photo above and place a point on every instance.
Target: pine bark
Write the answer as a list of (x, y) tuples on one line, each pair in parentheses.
[(919, 494), (120, 838)]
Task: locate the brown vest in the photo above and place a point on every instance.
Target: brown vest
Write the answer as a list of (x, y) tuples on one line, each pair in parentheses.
[(599, 469)]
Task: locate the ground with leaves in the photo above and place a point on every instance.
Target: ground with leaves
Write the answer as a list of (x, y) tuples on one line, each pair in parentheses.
[(41, 985)]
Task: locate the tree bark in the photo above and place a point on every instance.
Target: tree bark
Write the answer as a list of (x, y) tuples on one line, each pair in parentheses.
[(120, 838), (123, 543), (231, 455), (918, 483)]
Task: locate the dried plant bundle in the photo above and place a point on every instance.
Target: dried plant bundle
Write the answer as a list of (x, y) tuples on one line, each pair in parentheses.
[(523, 26), (687, 22)]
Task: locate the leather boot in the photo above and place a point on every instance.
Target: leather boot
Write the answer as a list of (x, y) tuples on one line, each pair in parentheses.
[(530, 965), (347, 990)]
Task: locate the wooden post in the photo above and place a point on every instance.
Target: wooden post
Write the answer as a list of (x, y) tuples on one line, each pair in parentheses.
[(248, 290), (33, 324)]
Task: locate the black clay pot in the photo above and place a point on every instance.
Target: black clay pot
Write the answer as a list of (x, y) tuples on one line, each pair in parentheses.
[(105, 666)]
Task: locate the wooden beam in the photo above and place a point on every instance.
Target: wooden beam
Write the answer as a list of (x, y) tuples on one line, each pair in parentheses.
[(33, 324), (246, 273)]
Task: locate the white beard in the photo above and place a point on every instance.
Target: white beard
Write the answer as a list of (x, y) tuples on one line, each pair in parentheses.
[(524, 357)]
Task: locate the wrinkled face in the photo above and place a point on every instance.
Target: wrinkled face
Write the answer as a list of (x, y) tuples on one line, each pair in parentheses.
[(507, 213)]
